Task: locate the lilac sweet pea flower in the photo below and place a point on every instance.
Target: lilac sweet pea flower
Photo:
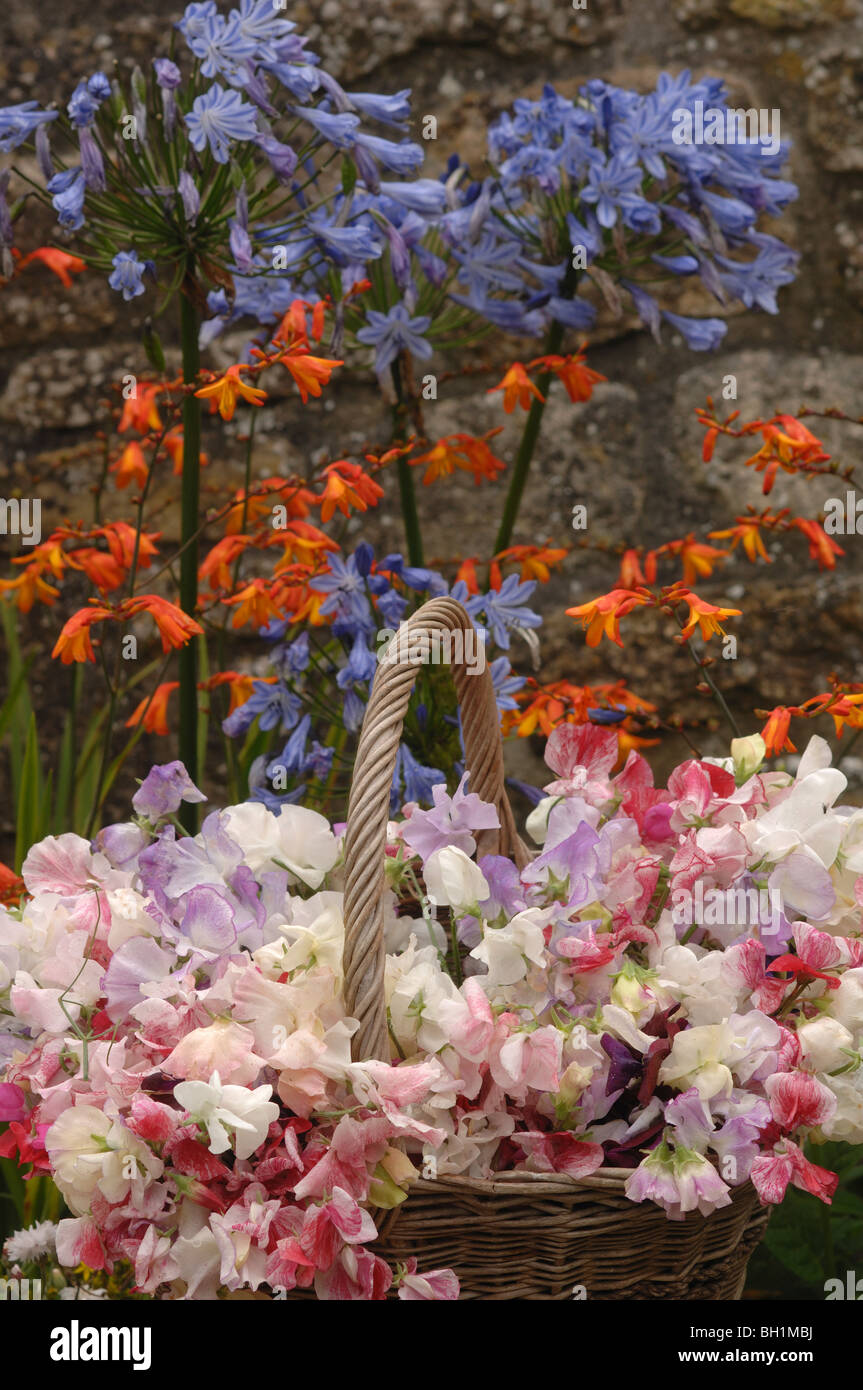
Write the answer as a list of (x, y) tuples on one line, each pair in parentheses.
[(450, 822), (163, 789)]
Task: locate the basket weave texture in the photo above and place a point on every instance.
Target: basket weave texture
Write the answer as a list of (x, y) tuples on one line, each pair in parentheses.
[(516, 1235)]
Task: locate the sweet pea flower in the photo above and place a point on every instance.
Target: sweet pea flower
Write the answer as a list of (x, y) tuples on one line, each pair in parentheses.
[(222, 1109), (453, 880)]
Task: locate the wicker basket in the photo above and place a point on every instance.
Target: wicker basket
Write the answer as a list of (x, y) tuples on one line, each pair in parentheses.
[(519, 1235)]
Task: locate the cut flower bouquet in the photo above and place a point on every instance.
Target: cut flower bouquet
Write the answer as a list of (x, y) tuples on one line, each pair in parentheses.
[(177, 1048)]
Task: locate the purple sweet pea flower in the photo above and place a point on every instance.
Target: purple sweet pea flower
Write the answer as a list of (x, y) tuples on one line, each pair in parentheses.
[(625, 1064), (162, 790)]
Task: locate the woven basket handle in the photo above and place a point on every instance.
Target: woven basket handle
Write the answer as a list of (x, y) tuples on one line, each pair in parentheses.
[(369, 804)]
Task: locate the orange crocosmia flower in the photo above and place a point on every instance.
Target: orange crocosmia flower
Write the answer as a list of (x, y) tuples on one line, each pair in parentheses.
[(131, 466), (266, 495), (310, 373), (703, 615), (120, 537), (843, 708), (789, 445), (573, 371), (49, 554), (225, 391), (293, 595), (140, 411), (821, 547), (517, 388), (173, 446), (535, 560), (30, 588), (603, 614), (153, 712), (74, 642), (699, 560), (217, 567), (100, 567), (293, 329), (175, 626), (254, 604), (466, 574), (775, 732), (303, 544), (442, 459), (63, 265), (478, 457), (240, 684), (348, 486), (632, 574), (746, 532)]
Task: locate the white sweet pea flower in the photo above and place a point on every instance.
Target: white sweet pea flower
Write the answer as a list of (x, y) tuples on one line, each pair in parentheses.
[(452, 879), (297, 839), (509, 951), (801, 818), (822, 1040), (846, 1002), (709, 1057), (90, 1154), (416, 991), (248, 1114), (537, 822)]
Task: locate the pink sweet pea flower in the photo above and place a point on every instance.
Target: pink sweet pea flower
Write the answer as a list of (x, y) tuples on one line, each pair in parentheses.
[(79, 1242), (438, 1285), (772, 1172), (799, 1100)]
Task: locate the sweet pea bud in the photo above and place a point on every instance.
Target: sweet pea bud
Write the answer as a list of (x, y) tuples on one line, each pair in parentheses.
[(747, 755)]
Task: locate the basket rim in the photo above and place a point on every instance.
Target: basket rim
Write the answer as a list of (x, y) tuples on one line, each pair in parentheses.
[(514, 1183)]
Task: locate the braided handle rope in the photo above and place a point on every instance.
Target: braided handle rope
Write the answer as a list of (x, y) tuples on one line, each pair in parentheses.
[(415, 643)]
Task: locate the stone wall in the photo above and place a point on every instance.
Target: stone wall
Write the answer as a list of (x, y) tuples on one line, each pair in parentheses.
[(633, 453)]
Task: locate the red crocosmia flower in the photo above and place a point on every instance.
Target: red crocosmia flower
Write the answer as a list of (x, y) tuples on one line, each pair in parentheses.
[(573, 371), (821, 547), (100, 567), (517, 388), (153, 712), (175, 626), (632, 575), (11, 886), (61, 263), (120, 537), (775, 732)]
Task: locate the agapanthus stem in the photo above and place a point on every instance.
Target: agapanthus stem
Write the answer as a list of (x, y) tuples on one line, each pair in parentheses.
[(530, 434), (407, 493), (190, 502)]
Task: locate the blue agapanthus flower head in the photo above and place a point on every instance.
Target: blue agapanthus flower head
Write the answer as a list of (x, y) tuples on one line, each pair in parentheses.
[(624, 187)]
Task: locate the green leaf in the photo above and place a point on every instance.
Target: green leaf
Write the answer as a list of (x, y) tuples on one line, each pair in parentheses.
[(153, 346), (349, 175), (30, 798)]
